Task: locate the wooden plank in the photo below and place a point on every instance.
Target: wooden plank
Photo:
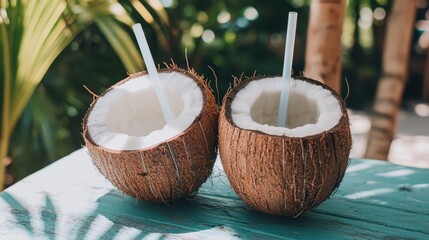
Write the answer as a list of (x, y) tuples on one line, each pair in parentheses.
[(71, 200)]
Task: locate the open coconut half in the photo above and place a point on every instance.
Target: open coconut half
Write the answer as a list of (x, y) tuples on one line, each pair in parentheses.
[(133, 147), (284, 171)]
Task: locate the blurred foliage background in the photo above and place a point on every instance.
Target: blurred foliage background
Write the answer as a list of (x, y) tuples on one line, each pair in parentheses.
[(234, 37)]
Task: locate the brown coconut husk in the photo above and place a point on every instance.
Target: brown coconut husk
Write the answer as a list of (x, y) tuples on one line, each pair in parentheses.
[(283, 175), (170, 170)]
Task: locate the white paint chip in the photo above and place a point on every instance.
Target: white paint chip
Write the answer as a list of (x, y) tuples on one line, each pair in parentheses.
[(369, 193), (209, 234), (396, 173)]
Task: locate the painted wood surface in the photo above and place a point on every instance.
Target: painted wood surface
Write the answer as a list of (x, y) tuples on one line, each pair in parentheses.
[(71, 200)]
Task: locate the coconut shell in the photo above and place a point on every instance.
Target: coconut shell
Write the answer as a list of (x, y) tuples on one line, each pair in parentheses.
[(283, 175), (170, 170)]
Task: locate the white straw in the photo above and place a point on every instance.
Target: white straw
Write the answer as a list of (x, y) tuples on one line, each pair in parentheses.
[(153, 73), (287, 68)]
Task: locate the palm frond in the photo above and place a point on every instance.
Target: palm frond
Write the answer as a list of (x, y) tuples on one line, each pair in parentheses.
[(145, 13), (121, 43), (39, 32), (46, 32), (156, 5), (7, 81)]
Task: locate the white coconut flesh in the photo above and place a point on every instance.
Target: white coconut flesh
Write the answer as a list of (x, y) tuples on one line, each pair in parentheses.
[(311, 110), (129, 116)]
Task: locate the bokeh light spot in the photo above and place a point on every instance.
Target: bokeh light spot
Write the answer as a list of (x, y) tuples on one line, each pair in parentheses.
[(167, 3), (223, 17), (208, 36), (251, 13), (298, 3), (230, 37), (422, 109), (379, 14), (242, 22), (365, 14), (202, 17), (196, 30)]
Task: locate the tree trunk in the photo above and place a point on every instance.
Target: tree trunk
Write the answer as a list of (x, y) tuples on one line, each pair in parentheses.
[(323, 54), (391, 85), (2, 173), (425, 94)]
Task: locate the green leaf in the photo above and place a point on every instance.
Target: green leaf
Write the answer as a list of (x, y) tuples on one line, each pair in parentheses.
[(33, 34), (121, 43)]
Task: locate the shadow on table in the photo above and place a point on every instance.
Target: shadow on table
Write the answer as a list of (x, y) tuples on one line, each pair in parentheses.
[(369, 203), (23, 217), (201, 212), (123, 213)]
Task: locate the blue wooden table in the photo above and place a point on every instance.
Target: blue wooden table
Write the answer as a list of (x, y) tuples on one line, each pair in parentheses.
[(71, 200)]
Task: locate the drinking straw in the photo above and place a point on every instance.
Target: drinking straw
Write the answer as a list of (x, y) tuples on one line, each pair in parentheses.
[(153, 73), (287, 69)]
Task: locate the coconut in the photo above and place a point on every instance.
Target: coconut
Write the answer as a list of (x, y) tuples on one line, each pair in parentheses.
[(131, 144), (284, 170)]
